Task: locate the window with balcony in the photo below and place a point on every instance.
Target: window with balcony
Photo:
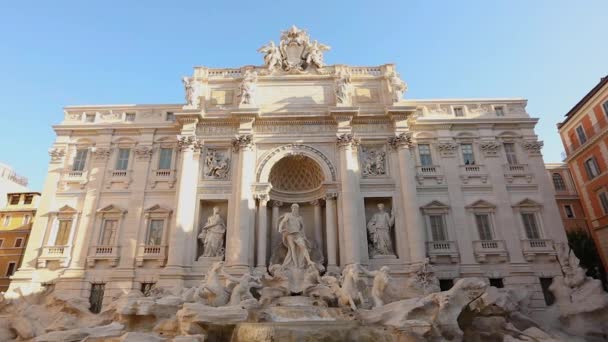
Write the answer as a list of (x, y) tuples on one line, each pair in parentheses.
[(604, 201), (605, 106), (510, 153), (18, 242), (155, 232), (424, 151), (129, 117), (484, 229), (164, 160), (591, 167), (568, 211), (7, 220), (63, 233), (437, 225), (458, 111), (499, 110), (10, 269), (558, 182), (468, 158), (108, 232), (122, 160), (28, 199), (80, 159), (14, 200), (146, 288), (530, 226), (580, 132)]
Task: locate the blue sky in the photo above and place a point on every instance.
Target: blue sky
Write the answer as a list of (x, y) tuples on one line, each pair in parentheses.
[(58, 53)]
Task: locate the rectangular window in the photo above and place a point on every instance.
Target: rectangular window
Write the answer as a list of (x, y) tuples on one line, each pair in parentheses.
[(568, 211), (108, 234), (1, 242), (510, 153), (129, 117), (499, 110), (122, 160), (170, 117), (26, 219), (424, 151), (80, 159), (28, 199), (164, 160), (446, 284), (437, 228), (10, 269), (604, 201), (89, 118), (592, 168), (96, 297), (14, 199), (155, 232), (7, 220), (530, 225), (63, 233), (544, 284), (558, 182), (458, 112), (582, 138), (605, 105), (146, 288), (18, 242), (468, 158), (483, 226), (497, 283)]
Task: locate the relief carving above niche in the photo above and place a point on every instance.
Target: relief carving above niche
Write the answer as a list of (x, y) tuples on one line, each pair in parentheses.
[(217, 164), (373, 161)]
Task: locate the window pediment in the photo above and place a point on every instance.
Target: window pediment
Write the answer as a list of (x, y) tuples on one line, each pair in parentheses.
[(481, 205), (527, 203), (111, 209), (158, 209), (435, 207)]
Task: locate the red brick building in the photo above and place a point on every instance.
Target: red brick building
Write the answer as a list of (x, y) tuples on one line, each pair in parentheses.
[(584, 134)]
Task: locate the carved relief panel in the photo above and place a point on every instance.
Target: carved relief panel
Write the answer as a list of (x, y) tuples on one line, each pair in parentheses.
[(373, 161), (216, 164)]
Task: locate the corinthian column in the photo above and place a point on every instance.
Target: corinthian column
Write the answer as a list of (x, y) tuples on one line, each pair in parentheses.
[(239, 238), (352, 227), (331, 239), (413, 220), (180, 246), (318, 224), (262, 230)]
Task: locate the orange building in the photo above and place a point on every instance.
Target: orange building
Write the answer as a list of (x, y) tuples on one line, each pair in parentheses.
[(15, 225), (568, 202), (584, 134)]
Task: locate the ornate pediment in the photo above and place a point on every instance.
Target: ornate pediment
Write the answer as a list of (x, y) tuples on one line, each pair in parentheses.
[(111, 209), (295, 53), (527, 203), (158, 209), (481, 204)]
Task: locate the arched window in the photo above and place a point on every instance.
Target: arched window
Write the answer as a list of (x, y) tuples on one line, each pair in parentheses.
[(558, 182)]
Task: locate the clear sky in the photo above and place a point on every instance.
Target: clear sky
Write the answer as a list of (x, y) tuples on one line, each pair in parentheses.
[(58, 53)]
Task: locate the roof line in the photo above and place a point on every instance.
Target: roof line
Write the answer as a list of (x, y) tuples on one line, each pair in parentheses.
[(585, 98)]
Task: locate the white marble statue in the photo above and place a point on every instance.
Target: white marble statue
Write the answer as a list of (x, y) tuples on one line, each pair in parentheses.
[(379, 229), (314, 54), (381, 282), (213, 289), (343, 88), (242, 290), (398, 85), (272, 56), (192, 90), (247, 88), (291, 227), (216, 165), (212, 235)]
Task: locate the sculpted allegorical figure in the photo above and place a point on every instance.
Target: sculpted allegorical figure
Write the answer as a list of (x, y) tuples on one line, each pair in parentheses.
[(343, 88), (191, 88), (212, 235), (216, 165), (272, 56), (399, 87), (247, 88), (381, 282), (291, 227), (379, 229), (314, 55)]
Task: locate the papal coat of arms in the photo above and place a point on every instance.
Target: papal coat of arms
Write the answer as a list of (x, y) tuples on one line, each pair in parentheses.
[(295, 52)]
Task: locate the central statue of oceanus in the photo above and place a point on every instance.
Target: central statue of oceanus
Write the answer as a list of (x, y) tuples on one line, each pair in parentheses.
[(291, 227)]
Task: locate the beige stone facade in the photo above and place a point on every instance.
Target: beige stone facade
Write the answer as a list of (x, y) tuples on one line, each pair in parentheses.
[(130, 188)]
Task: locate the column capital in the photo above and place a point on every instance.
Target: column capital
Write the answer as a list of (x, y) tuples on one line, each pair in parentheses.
[(315, 203), (243, 141), (189, 143), (347, 139), (264, 198), (143, 152), (277, 204), (403, 140), (331, 196)]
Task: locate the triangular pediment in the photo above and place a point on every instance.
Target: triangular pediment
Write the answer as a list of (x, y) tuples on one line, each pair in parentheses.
[(111, 209), (481, 204), (157, 208), (66, 209), (435, 205), (528, 203)]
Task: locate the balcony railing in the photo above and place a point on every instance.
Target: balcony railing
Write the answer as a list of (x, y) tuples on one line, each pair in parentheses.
[(437, 249), (473, 171), (484, 248), (151, 252), (535, 247), (429, 170), (165, 175), (109, 253), (54, 253), (516, 169)]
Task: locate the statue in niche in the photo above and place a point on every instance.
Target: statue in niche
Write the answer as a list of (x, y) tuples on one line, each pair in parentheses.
[(212, 235), (216, 165), (291, 227), (379, 230), (375, 162), (247, 88)]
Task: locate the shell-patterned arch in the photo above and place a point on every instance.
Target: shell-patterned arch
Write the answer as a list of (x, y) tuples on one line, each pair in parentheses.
[(273, 156)]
